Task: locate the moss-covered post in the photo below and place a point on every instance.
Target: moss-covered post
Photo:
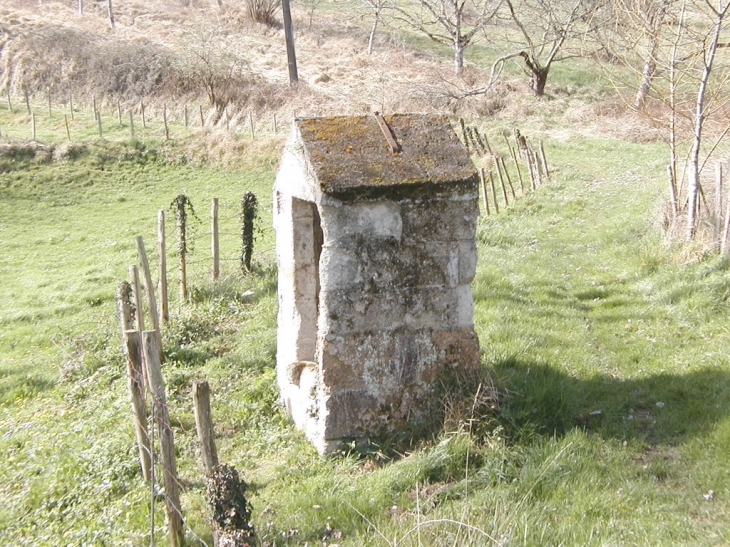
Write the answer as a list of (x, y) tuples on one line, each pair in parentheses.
[(249, 210)]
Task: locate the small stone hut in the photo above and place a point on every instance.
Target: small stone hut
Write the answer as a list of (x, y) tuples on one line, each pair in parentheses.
[(375, 223)]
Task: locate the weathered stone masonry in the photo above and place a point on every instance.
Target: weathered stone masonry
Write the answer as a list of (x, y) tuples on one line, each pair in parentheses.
[(376, 251)]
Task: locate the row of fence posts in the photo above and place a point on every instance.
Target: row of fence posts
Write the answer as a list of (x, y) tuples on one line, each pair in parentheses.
[(144, 357), (534, 159), (96, 114)]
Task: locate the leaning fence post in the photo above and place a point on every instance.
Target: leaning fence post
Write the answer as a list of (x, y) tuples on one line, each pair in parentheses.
[(204, 424), (68, 130), (167, 441), (494, 193), (214, 244), (483, 187), (509, 179), (162, 266), (151, 300), (135, 383), (501, 181)]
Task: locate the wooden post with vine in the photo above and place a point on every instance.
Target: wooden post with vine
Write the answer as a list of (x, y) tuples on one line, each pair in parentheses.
[(182, 207), (249, 211)]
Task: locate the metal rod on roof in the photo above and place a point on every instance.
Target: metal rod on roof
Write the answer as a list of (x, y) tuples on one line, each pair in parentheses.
[(395, 147)]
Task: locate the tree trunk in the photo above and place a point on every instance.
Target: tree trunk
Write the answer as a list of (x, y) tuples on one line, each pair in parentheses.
[(538, 79), (371, 39), (458, 56), (647, 75), (693, 175)]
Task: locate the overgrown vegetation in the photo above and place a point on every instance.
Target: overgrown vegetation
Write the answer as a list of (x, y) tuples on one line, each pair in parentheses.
[(601, 414)]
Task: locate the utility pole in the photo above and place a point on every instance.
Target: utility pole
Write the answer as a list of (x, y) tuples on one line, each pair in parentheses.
[(289, 35)]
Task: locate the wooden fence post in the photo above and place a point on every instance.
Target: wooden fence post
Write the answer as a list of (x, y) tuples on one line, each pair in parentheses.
[(494, 193), (718, 203), (32, 126), (27, 102), (144, 119), (464, 135), (98, 121), (95, 111), (135, 383), (124, 306), (162, 266), (137, 293), (167, 441), (68, 130), (726, 231), (214, 244), (501, 181), (131, 124), (164, 119), (483, 187), (185, 114), (275, 127), (71, 103), (517, 167), (509, 179), (543, 160), (204, 424), (151, 300), (202, 119)]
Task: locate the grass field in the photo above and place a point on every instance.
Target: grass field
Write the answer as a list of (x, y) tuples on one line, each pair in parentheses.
[(608, 352)]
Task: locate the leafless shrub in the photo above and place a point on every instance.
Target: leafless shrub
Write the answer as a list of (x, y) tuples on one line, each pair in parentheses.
[(263, 11)]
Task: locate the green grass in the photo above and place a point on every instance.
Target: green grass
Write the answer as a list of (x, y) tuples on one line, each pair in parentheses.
[(579, 305)]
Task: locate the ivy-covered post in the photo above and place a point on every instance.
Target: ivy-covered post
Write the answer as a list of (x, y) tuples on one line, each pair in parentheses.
[(181, 205), (249, 211)]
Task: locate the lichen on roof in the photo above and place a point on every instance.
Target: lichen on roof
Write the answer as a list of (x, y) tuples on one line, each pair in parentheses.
[(350, 154)]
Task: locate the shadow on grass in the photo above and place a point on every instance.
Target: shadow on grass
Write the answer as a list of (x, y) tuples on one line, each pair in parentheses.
[(659, 408)]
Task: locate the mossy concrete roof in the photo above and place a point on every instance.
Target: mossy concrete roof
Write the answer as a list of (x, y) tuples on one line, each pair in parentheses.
[(351, 156)]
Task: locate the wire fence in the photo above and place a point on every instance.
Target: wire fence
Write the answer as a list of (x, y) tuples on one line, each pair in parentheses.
[(58, 119)]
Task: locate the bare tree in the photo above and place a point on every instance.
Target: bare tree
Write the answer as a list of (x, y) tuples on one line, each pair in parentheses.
[(706, 102), (375, 7), (451, 22), (542, 28), (672, 46)]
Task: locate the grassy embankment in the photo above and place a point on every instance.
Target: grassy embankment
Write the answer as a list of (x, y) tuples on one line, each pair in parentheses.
[(580, 308)]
